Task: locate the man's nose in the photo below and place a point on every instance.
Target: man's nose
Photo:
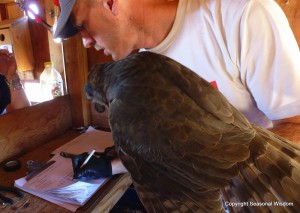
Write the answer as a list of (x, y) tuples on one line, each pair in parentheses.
[(87, 40)]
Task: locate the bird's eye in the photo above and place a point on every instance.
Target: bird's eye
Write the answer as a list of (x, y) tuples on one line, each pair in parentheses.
[(89, 94), (88, 90)]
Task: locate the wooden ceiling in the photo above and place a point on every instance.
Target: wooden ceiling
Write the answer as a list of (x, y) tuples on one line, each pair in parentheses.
[(6, 1)]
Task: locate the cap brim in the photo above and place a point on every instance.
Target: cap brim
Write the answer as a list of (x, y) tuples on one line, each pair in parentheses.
[(65, 28)]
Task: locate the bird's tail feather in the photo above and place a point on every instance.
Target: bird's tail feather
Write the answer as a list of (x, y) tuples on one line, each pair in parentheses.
[(270, 180), (292, 150), (167, 201)]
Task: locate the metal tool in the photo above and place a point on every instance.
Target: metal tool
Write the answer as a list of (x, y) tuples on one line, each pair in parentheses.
[(6, 200), (37, 169), (109, 153)]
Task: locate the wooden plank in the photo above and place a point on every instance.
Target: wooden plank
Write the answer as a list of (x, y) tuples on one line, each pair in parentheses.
[(39, 40), (3, 12), (8, 22), (6, 1), (25, 129), (55, 49), (76, 71), (14, 11), (37, 37), (111, 195), (21, 41), (40, 154)]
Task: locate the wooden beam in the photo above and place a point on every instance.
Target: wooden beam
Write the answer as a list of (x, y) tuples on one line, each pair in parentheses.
[(3, 12), (76, 71), (30, 127), (6, 1), (55, 48), (76, 68)]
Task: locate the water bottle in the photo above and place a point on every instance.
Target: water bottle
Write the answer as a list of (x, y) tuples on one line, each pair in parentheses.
[(51, 82)]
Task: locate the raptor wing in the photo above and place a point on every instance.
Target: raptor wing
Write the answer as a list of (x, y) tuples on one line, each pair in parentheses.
[(176, 134)]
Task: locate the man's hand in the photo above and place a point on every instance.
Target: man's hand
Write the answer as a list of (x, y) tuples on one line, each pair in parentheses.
[(8, 66), (96, 167), (288, 128)]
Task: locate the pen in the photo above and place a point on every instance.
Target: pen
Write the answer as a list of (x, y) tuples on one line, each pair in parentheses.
[(88, 158)]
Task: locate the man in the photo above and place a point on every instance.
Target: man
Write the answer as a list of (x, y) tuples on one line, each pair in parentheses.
[(12, 94), (244, 47)]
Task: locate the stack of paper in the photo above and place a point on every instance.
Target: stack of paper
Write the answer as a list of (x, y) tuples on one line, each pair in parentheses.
[(56, 184)]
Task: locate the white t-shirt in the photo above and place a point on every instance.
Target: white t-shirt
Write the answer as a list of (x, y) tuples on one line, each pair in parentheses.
[(246, 48)]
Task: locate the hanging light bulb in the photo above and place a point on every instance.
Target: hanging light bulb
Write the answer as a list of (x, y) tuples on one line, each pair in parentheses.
[(34, 10)]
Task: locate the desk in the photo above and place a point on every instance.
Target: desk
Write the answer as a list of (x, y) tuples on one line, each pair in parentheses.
[(102, 201)]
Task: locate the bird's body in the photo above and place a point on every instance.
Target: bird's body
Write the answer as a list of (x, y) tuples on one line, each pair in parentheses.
[(183, 143)]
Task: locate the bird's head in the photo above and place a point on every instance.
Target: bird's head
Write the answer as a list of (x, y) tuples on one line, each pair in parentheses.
[(95, 87)]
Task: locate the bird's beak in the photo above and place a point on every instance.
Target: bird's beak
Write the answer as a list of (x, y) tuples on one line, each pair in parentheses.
[(88, 90)]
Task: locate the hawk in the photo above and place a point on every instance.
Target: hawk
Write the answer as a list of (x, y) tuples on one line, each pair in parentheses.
[(186, 147)]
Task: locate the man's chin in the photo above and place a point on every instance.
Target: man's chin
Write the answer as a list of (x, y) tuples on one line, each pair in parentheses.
[(106, 52), (98, 48), (115, 57)]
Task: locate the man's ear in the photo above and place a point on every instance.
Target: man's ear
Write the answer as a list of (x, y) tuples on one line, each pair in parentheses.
[(111, 5)]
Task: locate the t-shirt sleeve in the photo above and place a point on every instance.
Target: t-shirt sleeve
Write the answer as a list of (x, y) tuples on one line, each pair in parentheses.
[(270, 59)]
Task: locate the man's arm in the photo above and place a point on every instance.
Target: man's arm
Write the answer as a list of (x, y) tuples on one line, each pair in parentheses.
[(8, 68), (18, 98), (117, 166), (288, 128)]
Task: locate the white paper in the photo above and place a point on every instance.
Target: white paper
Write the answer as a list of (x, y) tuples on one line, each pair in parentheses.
[(20, 184), (56, 183), (91, 139)]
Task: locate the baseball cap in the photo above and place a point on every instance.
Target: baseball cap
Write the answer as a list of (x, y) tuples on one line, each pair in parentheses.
[(65, 28)]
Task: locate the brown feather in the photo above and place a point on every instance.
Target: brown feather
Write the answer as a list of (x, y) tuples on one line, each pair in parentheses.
[(183, 142)]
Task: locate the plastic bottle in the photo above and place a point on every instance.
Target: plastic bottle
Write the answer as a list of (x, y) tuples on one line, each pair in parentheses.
[(51, 82)]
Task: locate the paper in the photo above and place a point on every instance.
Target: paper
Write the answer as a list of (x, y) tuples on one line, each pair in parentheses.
[(91, 139), (72, 207), (56, 184)]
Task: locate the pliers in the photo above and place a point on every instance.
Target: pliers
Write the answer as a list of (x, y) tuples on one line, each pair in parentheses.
[(6, 200)]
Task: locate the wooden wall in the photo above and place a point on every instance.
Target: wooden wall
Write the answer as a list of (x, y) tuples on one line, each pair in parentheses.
[(28, 128), (39, 40), (77, 70), (39, 37)]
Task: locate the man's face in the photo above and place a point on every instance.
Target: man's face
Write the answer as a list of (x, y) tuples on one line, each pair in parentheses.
[(101, 28)]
